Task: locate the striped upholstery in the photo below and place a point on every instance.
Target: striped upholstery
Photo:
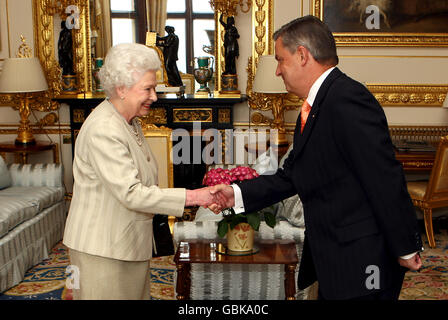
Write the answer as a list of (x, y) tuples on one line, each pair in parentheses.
[(32, 218), (236, 281), (42, 196), (32, 175), (291, 210), (14, 211), (29, 243)]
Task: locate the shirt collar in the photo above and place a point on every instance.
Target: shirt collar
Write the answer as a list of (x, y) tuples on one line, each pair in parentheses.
[(316, 86)]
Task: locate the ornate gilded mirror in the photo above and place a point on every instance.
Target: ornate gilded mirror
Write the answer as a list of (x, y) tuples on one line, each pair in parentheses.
[(50, 18)]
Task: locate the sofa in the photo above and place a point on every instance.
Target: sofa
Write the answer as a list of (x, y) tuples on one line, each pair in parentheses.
[(32, 217), (246, 282)]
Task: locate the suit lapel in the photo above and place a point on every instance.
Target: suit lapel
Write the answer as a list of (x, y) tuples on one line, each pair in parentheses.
[(302, 138)]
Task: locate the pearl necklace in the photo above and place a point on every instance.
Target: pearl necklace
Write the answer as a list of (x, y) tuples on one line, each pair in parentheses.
[(133, 128)]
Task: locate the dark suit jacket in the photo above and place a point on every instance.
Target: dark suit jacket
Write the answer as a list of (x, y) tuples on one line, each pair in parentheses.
[(357, 209)]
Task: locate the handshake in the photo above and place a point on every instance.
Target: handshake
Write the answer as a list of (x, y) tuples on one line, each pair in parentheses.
[(216, 198)]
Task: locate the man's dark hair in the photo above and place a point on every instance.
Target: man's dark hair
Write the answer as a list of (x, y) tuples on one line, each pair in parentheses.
[(310, 32)]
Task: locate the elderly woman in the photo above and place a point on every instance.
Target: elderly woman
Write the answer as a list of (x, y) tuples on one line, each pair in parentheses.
[(115, 193)]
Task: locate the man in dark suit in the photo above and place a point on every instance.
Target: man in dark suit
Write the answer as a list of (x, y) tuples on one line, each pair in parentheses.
[(361, 228)]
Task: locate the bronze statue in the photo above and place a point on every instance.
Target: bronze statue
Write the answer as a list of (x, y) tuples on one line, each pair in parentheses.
[(65, 50), (231, 49), (170, 44)]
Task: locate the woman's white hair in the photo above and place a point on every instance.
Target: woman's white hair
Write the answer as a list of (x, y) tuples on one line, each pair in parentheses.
[(125, 64)]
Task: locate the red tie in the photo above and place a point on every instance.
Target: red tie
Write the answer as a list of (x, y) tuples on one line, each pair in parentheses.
[(306, 108)]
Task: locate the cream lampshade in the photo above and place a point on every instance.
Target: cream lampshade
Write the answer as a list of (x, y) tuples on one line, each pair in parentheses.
[(273, 88), (23, 75)]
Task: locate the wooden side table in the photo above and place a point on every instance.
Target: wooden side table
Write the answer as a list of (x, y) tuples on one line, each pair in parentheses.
[(22, 151), (205, 251)]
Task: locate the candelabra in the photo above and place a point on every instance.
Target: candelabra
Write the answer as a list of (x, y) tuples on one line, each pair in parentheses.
[(229, 7)]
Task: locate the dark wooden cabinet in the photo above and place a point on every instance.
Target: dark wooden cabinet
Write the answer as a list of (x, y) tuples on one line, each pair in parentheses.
[(172, 112)]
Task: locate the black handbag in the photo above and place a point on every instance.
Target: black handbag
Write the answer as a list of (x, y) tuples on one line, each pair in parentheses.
[(163, 240)]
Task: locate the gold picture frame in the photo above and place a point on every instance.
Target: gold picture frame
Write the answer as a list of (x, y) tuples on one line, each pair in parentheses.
[(376, 38)]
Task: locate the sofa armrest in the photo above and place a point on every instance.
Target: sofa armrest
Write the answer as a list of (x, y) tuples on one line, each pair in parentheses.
[(36, 175)]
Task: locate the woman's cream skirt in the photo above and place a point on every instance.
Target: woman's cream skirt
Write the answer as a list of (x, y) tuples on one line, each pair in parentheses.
[(99, 278)]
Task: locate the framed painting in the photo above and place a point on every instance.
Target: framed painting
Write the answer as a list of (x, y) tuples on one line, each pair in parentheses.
[(159, 140), (385, 22)]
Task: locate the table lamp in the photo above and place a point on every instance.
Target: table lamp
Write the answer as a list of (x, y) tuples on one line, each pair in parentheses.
[(23, 76), (274, 92)]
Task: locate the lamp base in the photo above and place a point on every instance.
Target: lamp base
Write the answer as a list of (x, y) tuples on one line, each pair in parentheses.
[(20, 142), (25, 135)]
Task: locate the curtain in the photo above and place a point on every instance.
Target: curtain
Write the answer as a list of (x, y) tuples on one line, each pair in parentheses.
[(156, 15), (101, 23)]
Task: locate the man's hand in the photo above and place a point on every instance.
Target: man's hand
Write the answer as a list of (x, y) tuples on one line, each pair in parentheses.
[(224, 197), (200, 197), (414, 263)]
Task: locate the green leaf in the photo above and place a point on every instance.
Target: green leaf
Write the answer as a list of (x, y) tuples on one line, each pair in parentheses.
[(269, 218), (254, 220), (236, 219), (223, 226)]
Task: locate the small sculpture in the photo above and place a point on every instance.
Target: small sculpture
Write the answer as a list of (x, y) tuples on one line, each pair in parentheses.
[(65, 50), (170, 44), (231, 49)]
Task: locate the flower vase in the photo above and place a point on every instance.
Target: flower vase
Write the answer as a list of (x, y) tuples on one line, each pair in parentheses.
[(203, 73), (96, 70), (240, 238)]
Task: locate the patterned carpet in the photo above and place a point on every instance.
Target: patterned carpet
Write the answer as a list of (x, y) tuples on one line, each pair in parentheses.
[(46, 281), (431, 283)]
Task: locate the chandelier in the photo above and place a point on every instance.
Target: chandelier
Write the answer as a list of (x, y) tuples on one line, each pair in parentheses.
[(229, 7)]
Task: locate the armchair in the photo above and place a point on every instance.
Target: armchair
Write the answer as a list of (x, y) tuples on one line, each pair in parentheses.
[(431, 194)]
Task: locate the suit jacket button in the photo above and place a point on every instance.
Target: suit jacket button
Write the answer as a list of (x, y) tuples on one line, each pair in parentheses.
[(148, 158)]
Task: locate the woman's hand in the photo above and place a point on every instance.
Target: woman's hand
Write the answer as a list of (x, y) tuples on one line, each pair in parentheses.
[(202, 197)]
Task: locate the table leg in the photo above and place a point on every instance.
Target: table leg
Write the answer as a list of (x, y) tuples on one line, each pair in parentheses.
[(290, 281), (183, 281)]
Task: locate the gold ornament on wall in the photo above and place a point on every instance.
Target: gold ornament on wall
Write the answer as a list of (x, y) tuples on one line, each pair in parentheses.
[(229, 7)]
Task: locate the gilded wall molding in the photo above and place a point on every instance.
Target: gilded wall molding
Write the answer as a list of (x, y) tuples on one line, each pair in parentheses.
[(37, 131), (416, 95), (395, 95)]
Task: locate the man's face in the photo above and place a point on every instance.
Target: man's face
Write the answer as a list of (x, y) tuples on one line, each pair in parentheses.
[(288, 67)]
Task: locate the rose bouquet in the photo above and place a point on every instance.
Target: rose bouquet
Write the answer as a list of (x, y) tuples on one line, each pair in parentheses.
[(230, 219)]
